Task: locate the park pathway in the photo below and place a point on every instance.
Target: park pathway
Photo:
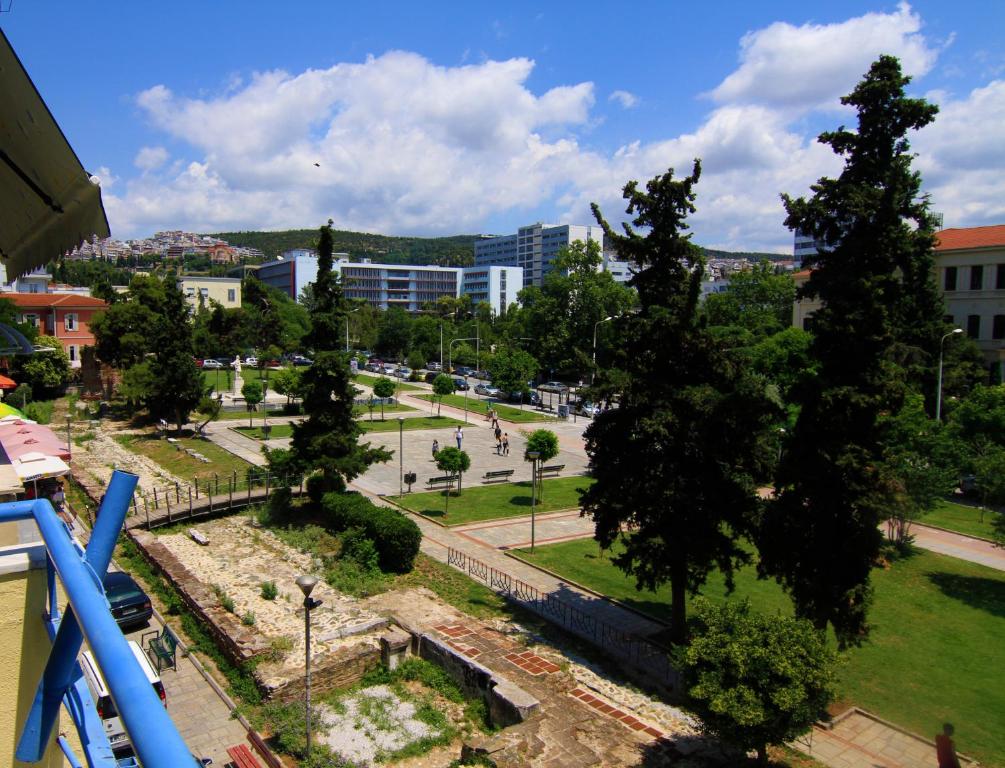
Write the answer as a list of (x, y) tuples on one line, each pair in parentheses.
[(957, 545)]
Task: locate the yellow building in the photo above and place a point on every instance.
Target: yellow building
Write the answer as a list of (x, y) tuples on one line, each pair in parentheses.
[(225, 291)]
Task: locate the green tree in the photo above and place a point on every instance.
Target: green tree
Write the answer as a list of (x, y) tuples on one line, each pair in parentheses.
[(210, 407), (383, 388), (758, 299), (830, 486), (560, 315), (443, 385), (755, 680), (328, 439), (394, 337), (544, 442), (675, 462), (137, 384), (47, 371), (177, 385), (252, 393), (511, 369), (453, 461), (287, 382), (783, 358)]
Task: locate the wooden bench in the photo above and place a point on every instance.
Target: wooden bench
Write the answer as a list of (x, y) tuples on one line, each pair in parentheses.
[(445, 481), (554, 469), (198, 538), (499, 476), (162, 647), (242, 757)]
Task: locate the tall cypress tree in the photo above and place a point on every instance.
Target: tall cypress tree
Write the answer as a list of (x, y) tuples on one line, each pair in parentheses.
[(675, 462), (177, 385), (821, 535), (328, 440)]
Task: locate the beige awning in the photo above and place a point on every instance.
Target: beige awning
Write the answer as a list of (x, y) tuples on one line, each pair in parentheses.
[(48, 202)]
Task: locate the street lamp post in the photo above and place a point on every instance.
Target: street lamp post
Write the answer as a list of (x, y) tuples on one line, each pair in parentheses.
[(533, 456), (593, 373), (938, 386), (69, 443), (401, 453), (307, 584), (347, 327), (466, 388), (450, 350), (449, 314)]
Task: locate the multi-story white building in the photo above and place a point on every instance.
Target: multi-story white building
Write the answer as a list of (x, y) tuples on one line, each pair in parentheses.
[(533, 248), (399, 285), (804, 246)]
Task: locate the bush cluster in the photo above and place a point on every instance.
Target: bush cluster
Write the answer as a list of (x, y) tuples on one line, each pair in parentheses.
[(395, 537)]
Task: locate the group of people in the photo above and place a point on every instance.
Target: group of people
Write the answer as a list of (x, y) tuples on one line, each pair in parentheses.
[(502, 438)]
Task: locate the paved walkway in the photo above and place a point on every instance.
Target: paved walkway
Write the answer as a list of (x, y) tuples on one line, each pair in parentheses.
[(515, 532), (958, 545)]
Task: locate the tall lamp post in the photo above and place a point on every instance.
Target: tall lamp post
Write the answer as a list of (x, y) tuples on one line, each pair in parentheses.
[(401, 453), (307, 584), (533, 456), (347, 326), (450, 350), (466, 388), (449, 314), (938, 386), (593, 373)]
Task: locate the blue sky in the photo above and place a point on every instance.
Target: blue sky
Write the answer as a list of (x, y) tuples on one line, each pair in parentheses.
[(443, 118)]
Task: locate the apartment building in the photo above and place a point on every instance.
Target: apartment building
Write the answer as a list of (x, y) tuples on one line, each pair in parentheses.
[(226, 291), (498, 286), (533, 248), (66, 316)]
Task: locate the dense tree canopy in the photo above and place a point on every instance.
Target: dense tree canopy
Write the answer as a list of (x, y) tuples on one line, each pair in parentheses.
[(821, 537), (675, 462)]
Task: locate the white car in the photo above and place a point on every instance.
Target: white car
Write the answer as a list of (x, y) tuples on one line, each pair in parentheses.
[(252, 361)]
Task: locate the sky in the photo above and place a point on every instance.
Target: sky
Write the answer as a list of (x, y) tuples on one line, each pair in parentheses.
[(440, 118)]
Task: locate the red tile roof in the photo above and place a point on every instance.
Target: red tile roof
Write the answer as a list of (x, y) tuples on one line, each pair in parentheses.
[(970, 237), (50, 300)]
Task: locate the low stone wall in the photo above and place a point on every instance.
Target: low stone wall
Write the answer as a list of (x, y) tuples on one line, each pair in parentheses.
[(237, 642), (333, 672), (507, 702)]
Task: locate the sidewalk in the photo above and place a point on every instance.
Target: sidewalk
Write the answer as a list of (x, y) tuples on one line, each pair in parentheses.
[(959, 546)]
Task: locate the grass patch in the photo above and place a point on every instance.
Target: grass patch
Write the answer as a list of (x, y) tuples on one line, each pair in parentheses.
[(489, 502), (179, 463), (369, 380), (935, 651), (416, 422), (238, 415), (962, 519), (454, 588), (364, 410), (505, 412)]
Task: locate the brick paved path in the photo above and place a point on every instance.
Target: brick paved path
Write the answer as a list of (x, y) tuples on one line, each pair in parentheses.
[(514, 532)]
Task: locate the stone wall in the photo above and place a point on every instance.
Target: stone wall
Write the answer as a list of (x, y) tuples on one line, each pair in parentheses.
[(332, 672), (237, 642)]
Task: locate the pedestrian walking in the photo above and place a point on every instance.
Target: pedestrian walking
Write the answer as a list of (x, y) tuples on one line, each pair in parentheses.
[(505, 443), (459, 437), (945, 748), (436, 448), (498, 444)]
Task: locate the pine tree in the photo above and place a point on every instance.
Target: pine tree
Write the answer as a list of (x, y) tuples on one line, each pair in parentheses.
[(328, 440), (821, 536), (674, 463), (176, 385)]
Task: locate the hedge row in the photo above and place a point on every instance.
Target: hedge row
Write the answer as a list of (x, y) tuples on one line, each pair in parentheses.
[(396, 537)]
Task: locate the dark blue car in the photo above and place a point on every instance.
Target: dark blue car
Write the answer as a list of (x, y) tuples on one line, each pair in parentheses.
[(130, 604)]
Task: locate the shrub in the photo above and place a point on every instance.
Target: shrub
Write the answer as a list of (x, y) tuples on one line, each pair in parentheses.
[(315, 488), (20, 397), (225, 600), (269, 590), (395, 536), (248, 619), (40, 411), (359, 548)]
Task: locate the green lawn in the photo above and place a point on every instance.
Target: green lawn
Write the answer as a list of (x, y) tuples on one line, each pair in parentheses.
[(226, 378), (369, 379), (962, 519), (278, 431), (935, 654), (238, 415), (179, 463), (488, 502), (363, 410), (505, 412)]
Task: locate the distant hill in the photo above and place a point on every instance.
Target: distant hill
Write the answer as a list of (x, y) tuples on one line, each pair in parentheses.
[(453, 251)]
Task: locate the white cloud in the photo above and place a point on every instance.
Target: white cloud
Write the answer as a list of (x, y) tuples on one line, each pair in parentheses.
[(814, 64), (625, 98), (150, 158), (403, 145)]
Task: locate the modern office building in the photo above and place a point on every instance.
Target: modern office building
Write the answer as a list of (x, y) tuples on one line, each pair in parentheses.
[(399, 285), (225, 291), (533, 248)]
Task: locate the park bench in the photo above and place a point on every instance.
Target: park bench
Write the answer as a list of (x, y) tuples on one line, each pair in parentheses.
[(162, 647), (498, 476), (446, 481), (554, 469), (242, 757), (198, 538)]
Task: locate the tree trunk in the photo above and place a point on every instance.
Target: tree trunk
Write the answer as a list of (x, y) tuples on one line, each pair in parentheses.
[(762, 754), (678, 604)]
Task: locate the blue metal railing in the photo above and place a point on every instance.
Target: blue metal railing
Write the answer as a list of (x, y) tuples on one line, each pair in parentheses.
[(151, 731)]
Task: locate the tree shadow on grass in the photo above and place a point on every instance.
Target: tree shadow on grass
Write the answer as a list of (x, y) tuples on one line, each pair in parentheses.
[(987, 595), (432, 512)]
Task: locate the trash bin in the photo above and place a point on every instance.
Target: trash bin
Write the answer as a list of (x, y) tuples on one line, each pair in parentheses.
[(563, 411)]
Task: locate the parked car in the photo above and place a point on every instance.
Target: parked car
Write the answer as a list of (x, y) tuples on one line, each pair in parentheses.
[(301, 360), (130, 604), (531, 398), (585, 408), (483, 375), (434, 366), (209, 364), (463, 370), (198, 362), (460, 384), (251, 361), (553, 386), (487, 390), (102, 697), (403, 372), (430, 377)]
